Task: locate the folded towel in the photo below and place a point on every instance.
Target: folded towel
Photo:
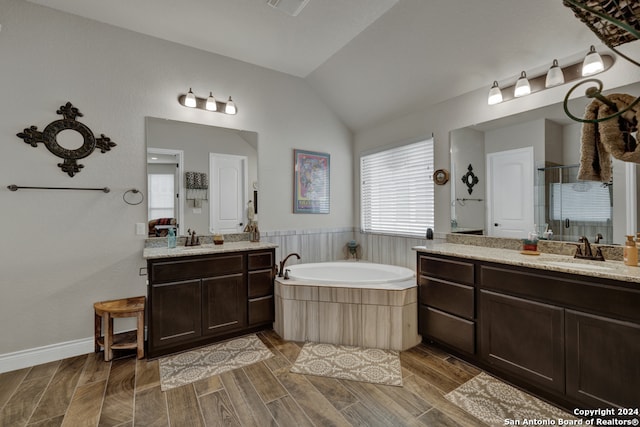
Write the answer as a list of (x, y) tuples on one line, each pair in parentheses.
[(608, 138)]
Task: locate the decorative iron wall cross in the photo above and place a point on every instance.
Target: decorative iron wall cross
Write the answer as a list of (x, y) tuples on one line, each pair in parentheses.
[(48, 136), (470, 179)]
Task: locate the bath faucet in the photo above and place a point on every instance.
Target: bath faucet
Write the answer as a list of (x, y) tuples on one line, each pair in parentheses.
[(282, 263), (587, 247), (588, 252)]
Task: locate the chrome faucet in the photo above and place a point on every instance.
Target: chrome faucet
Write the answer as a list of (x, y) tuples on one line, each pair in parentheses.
[(282, 263)]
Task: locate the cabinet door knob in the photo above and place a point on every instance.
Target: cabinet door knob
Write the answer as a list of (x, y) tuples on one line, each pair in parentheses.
[(495, 224)]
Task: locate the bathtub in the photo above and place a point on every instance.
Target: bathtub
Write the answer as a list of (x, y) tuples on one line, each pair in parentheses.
[(348, 303), (354, 274)]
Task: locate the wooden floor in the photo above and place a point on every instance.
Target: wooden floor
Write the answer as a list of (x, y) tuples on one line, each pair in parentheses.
[(86, 391)]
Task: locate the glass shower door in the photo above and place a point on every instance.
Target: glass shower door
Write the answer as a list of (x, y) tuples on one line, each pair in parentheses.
[(575, 208)]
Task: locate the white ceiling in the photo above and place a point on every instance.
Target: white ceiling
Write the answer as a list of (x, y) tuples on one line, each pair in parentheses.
[(371, 60)]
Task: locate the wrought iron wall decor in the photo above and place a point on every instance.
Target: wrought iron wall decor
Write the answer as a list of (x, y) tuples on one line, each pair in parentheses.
[(470, 179), (48, 136)]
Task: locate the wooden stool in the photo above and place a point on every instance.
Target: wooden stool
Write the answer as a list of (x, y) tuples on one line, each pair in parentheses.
[(108, 310)]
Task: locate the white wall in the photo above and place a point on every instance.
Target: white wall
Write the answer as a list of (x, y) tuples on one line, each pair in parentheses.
[(64, 250)]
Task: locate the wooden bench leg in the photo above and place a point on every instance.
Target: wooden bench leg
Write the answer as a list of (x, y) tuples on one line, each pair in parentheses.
[(97, 330), (108, 337), (140, 335)]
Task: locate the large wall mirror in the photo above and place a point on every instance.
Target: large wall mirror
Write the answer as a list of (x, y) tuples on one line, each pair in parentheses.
[(527, 166), (199, 177)]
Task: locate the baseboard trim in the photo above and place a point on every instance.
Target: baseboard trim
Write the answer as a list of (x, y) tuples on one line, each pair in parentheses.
[(48, 353)]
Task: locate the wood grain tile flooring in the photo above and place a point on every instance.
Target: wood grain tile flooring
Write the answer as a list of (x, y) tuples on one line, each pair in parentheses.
[(86, 391)]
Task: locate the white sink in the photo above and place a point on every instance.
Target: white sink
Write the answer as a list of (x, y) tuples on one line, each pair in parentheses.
[(580, 266)]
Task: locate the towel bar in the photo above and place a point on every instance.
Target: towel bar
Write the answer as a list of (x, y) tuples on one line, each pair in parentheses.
[(14, 187)]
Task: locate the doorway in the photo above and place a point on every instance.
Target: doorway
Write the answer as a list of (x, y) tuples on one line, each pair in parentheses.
[(510, 193), (164, 184), (229, 193)]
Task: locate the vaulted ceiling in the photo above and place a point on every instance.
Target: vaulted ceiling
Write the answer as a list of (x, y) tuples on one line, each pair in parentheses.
[(371, 60)]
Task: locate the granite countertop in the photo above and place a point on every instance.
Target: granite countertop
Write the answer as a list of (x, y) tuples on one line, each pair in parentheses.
[(205, 249), (615, 270)]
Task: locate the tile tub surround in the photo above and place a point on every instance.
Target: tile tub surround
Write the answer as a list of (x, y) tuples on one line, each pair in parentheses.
[(376, 318), (615, 270)]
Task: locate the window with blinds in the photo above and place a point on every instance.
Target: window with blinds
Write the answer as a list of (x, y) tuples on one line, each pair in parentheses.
[(581, 201), (161, 196), (396, 193)]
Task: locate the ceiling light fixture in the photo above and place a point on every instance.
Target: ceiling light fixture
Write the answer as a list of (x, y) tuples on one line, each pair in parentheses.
[(495, 94), (522, 86), (209, 104), (290, 7), (555, 76), (592, 63)]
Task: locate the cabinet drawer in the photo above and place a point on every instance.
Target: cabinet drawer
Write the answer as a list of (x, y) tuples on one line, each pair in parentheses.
[(260, 260), (192, 268), (261, 310), (456, 271), (451, 297), (260, 283), (447, 329)]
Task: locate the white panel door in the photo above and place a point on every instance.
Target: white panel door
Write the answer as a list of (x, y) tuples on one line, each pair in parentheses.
[(510, 193), (228, 192)]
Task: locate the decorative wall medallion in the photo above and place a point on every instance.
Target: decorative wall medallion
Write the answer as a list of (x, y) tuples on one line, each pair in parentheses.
[(50, 133), (441, 176), (470, 179)]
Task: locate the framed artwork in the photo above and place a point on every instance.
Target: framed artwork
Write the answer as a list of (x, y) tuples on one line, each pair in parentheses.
[(311, 182)]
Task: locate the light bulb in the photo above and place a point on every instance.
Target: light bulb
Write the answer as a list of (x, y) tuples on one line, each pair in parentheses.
[(592, 63), (190, 99), (495, 94), (555, 76), (230, 108), (522, 86), (211, 103)]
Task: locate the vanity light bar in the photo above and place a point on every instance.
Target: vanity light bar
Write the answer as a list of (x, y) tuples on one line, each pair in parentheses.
[(571, 73), (228, 107)]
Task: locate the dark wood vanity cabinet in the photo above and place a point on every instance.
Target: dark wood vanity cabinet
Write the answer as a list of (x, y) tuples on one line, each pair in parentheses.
[(569, 338), (196, 300)]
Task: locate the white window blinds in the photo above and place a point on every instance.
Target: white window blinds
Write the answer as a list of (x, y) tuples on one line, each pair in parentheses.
[(161, 196), (396, 193), (581, 201)]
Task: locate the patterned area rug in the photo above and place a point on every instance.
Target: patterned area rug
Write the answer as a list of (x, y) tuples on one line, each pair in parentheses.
[(194, 365), (370, 365), (495, 403)]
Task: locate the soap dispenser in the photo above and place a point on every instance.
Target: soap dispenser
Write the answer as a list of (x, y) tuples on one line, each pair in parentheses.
[(630, 252), (171, 238)]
